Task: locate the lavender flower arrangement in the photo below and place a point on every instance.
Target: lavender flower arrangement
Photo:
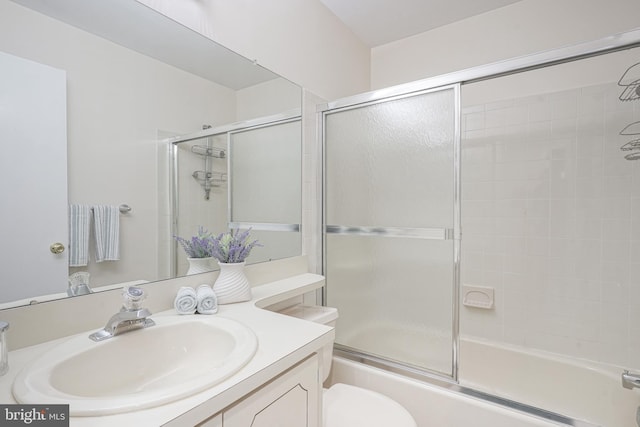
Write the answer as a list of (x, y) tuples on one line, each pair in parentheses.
[(232, 247), (199, 246)]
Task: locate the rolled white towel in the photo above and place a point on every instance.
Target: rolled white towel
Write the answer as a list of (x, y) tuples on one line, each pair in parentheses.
[(186, 301), (207, 300)]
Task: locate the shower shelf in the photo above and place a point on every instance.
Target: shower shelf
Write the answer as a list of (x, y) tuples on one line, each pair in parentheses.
[(203, 150), (214, 179), (632, 145), (632, 130), (630, 80)]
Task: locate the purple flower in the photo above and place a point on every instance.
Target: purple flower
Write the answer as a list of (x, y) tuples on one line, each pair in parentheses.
[(233, 246), (199, 246)]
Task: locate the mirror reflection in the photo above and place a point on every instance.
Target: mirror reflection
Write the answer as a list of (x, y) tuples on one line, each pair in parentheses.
[(246, 175), (92, 109)]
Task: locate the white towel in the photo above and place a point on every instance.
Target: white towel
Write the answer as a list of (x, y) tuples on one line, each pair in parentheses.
[(106, 221), (207, 300), (79, 221), (186, 300)]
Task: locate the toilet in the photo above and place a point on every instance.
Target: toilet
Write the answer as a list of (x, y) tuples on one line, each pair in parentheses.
[(346, 405)]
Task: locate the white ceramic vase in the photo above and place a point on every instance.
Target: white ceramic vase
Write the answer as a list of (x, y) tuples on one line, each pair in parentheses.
[(232, 285), (201, 265)]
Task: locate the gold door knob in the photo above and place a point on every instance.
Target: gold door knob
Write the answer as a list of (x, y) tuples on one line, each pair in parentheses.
[(56, 248)]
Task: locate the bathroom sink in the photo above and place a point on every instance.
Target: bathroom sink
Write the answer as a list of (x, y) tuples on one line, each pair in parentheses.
[(180, 356)]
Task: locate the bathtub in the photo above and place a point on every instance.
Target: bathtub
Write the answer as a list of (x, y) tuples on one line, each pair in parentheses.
[(576, 388), (586, 394)]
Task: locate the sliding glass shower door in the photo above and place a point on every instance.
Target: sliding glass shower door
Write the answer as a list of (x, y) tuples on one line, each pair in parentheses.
[(391, 227)]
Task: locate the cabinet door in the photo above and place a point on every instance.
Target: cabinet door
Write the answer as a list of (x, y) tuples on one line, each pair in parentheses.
[(290, 400)]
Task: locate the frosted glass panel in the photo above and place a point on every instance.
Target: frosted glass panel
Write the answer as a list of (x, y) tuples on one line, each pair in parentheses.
[(394, 297), (390, 169), (266, 174), (391, 163), (275, 245)]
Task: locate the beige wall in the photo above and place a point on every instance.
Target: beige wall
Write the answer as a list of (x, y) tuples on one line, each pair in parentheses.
[(522, 28), (298, 39)]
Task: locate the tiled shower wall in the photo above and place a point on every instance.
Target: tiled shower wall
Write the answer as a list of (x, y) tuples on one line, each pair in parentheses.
[(551, 220)]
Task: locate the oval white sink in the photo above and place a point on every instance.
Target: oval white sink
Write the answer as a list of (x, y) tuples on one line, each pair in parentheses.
[(180, 356)]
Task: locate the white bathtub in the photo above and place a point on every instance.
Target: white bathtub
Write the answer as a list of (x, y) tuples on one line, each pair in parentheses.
[(579, 389), (585, 392)]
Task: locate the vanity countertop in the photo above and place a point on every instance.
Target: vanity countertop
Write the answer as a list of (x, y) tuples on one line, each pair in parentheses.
[(282, 342)]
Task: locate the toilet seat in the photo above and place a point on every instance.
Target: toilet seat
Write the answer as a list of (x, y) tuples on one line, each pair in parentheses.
[(348, 406)]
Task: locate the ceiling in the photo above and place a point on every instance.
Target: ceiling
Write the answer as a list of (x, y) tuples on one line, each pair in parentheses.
[(378, 22)]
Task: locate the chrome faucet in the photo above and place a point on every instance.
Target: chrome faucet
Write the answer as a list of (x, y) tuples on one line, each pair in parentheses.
[(131, 316), (629, 380)]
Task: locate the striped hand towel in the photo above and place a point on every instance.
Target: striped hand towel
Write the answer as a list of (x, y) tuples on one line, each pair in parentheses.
[(79, 220), (106, 221)]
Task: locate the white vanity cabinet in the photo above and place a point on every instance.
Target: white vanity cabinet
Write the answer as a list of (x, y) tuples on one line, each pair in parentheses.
[(289, 400)]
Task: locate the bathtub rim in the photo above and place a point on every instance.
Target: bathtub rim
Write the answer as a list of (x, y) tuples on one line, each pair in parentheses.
[(446, 383)]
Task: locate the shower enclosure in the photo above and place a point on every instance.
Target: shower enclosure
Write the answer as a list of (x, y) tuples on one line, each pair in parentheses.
[(531, 270), (243, 175)]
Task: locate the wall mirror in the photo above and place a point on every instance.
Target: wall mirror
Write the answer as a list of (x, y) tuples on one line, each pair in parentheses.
[(96, 102)]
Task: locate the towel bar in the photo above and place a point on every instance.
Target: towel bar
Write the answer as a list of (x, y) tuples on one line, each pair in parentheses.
[(123, 208)]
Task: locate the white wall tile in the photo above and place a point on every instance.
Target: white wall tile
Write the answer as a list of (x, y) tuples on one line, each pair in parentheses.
[(537, 227), (586, 289), (474, 121), (478, 191), (588, 228), (512, 245), (555, 214), (616, 228), (563, 148), (591, 101), (539, 131), (589, 167), (615, 282), (537, 246), (564, 105), (635, 184), (563, 128), (540, 110)]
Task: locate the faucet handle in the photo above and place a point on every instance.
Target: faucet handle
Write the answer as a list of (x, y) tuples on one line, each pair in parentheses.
[(133, 297)]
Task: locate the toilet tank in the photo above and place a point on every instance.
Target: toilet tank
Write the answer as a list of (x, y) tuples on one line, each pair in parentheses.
[(318, 314)]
